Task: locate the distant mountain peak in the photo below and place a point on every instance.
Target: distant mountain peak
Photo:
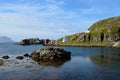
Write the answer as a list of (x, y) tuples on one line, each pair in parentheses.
[(5, 39)]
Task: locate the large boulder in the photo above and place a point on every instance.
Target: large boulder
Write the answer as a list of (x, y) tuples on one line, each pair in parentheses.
[(50, 53)]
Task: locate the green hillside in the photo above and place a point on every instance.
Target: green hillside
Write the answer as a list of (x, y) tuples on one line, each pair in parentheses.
[(107, 25), (103, 31)]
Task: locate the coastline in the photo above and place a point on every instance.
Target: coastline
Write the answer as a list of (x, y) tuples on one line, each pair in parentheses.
[(109, 45), (28, 69)]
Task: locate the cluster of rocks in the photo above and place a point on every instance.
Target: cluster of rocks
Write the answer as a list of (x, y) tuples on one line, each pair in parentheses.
[(50, 53), (7, 57), (18, 57), (46, 56)]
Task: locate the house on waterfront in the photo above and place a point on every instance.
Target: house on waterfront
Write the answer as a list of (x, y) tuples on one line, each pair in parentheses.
[(46, 41), (25, 42), (30, 41), (34, 40), (41, 41), (65, 39)]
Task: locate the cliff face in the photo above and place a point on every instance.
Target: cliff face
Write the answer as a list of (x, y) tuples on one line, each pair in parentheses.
[(107, 30)]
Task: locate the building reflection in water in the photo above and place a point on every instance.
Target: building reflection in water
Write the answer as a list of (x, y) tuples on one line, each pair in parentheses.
[(111, 60)]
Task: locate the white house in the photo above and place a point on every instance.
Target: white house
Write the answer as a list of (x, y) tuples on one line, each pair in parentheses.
[(87, 31), (65, 39)]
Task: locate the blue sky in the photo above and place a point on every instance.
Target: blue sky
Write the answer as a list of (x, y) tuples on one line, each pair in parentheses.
[(52, 18)]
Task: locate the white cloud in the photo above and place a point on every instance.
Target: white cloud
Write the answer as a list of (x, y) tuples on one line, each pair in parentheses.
[(44, 21)]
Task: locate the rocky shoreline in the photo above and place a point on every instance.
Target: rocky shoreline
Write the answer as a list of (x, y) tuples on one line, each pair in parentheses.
[(108, 45), (45, 56)]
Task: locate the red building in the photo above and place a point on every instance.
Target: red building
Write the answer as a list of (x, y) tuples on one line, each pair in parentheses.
[(46, 41), (25, 42)]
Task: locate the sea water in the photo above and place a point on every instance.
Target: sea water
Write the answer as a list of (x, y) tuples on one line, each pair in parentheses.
[(79, 67)]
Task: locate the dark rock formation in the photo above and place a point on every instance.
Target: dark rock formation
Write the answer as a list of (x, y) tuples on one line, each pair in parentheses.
[(26, 55), (5, 57), (84, 37), (19, 57), (50, 54)]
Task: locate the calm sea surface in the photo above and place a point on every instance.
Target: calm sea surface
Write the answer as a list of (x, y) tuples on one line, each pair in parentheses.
[(79, 67)]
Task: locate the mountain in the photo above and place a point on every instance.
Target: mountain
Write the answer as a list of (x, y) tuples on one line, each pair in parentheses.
[(106, 30), (5, 39)]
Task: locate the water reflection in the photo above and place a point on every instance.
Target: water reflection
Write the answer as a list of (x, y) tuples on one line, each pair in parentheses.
[(107, 57), (54, 63), (111, 60)]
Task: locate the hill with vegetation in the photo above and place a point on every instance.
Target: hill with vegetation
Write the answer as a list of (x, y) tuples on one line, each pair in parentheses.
[(103, 32), (5, 39)]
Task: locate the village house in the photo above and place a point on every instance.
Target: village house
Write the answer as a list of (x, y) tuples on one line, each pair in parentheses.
[(65, 39)]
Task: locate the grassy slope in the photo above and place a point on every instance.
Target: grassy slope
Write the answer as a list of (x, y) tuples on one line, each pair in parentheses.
[(102, 26)]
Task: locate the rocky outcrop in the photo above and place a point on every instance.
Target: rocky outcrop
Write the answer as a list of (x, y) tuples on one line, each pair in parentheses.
[(84, 37), (50, 54)]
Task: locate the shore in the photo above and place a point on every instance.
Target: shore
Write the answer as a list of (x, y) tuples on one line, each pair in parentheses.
[(108, 45)]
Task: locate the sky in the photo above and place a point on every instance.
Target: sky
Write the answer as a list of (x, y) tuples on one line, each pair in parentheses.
[(52, 19)]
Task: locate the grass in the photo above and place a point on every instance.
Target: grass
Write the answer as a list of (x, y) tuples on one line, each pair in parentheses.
[(84, 43)]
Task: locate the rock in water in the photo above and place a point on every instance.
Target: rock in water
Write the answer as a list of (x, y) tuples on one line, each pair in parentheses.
[(5, 57), (26, 55), (50, 53), (19, 57)]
